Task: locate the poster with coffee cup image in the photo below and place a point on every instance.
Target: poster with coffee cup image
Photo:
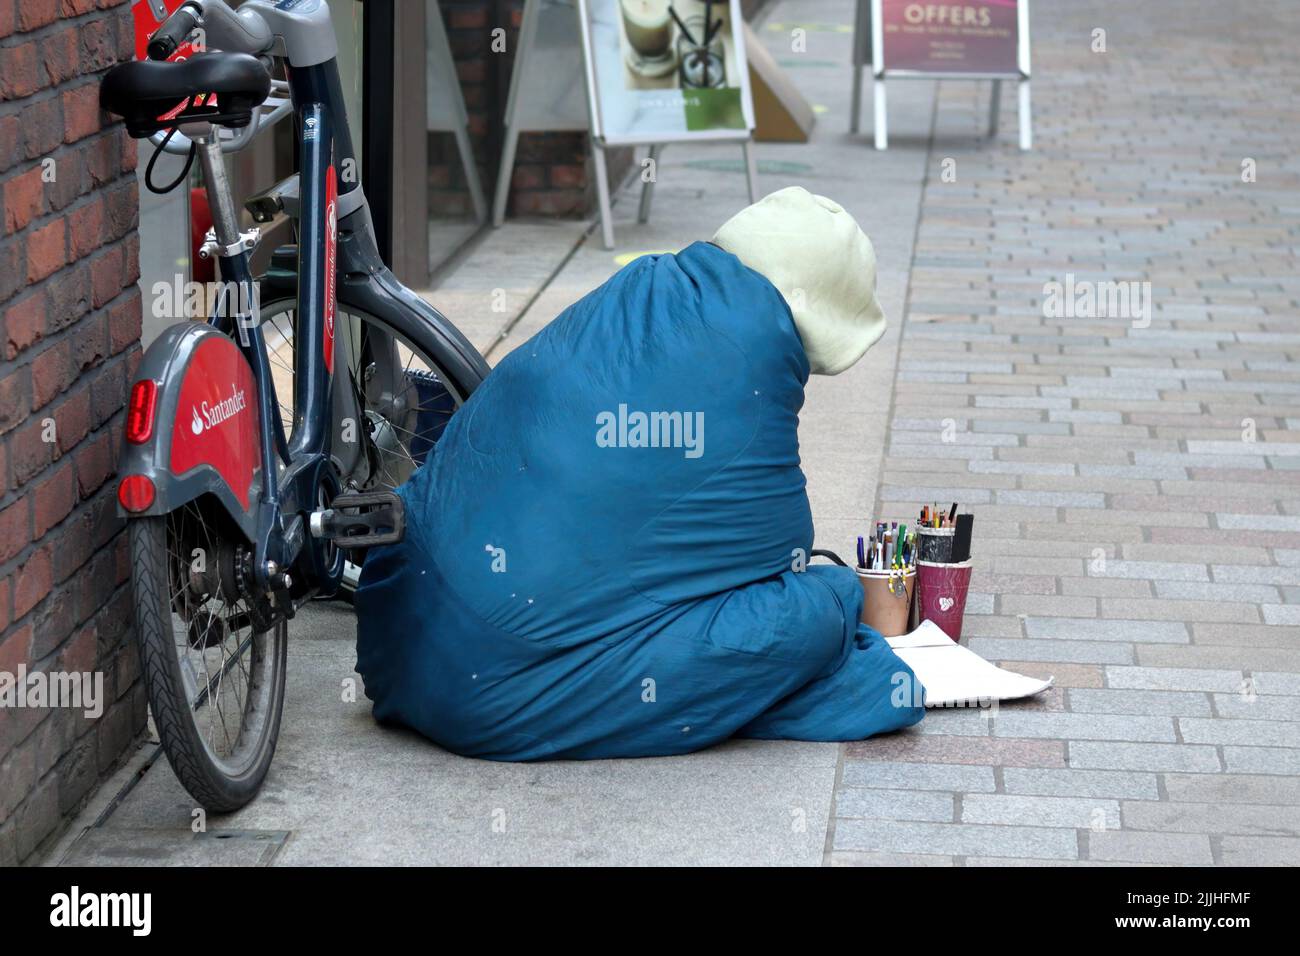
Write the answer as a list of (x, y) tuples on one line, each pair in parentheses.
[(666, 70)]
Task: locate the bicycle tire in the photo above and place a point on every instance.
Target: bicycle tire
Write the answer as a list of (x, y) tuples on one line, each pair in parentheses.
[(214, 788)]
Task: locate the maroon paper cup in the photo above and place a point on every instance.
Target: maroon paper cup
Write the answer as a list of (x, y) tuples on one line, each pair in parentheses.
[(941, 594)]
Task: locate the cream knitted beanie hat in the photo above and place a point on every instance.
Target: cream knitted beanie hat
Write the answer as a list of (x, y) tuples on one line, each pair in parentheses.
[(822, 263)]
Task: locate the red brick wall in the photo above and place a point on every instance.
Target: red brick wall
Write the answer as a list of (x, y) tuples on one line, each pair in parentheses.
[(69, 342), (553, 171)]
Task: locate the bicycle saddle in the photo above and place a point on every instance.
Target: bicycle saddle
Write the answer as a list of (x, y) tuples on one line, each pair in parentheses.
[(222, 88)]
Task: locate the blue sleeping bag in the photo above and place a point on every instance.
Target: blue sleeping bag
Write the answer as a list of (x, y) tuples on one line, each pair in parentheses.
[(605, 555)]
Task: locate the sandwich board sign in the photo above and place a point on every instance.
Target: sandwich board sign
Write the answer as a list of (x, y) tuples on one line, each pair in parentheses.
[(653, 72), (959, 39)]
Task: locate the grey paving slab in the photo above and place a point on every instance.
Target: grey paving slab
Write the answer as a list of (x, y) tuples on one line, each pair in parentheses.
[(851, 858), (947, 748), (1083, 726), (1258, 733), (1174, 678), (1210, 657), (1262, 760), (1074, 652), (1252, 819), (1172, 703), (1041, 811), (1113, 755), (1232, 788), (1001, 861), (1257, 707), (1110, 629), (957, 839), (917, 776), (1266, 682), (851, 802), (1081, 783), (1170, 849), (1260, 851)]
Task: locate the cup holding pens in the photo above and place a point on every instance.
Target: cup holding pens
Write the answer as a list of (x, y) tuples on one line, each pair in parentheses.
[(941, 594), (887, 599), (935, 544)]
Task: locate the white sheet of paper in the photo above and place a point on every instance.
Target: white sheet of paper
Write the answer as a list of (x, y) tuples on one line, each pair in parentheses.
[(952, 674)]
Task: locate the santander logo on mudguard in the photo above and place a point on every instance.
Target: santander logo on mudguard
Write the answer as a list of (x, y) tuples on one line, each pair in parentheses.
[(210, 416), (215, 423)]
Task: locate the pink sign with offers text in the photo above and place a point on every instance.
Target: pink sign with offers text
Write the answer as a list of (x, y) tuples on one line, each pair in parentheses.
[(958, 37)]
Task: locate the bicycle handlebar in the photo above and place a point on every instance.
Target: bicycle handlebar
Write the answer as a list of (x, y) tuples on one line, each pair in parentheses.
[(240, 31), (174, 31), (244, 30)]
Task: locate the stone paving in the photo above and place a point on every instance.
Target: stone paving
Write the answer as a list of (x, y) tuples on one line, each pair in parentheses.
[(1135, 477)]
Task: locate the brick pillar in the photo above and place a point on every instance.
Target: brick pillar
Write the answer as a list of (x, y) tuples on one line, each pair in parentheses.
[(69, 342)]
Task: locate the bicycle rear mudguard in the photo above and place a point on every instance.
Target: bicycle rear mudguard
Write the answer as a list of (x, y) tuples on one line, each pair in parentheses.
[(195, 431)]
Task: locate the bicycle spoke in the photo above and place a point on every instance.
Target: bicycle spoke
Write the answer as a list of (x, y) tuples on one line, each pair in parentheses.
[(220, 686), (397, 423)]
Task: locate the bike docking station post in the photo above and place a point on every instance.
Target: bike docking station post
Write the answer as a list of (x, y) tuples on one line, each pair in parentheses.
[(904, 39), (654, 72)]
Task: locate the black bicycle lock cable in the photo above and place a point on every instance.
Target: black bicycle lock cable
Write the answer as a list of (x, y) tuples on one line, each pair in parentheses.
[(829, 555), (148, 170)]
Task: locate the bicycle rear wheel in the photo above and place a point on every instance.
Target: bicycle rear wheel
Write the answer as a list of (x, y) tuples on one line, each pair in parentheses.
[(214, 673)]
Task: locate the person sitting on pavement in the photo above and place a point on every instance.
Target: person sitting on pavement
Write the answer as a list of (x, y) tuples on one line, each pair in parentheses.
[(607, 553)]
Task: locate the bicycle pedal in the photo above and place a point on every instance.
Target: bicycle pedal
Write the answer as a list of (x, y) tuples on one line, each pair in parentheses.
[(361, 520)]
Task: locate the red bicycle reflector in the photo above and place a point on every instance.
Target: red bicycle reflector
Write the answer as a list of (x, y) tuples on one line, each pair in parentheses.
[(139, 411), (136, 492)]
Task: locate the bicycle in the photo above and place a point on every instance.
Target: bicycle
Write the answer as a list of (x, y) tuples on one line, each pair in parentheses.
[(263, 446)]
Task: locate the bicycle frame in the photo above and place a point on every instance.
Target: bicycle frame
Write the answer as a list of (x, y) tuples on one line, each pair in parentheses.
[(317, 99), (335, 240)]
